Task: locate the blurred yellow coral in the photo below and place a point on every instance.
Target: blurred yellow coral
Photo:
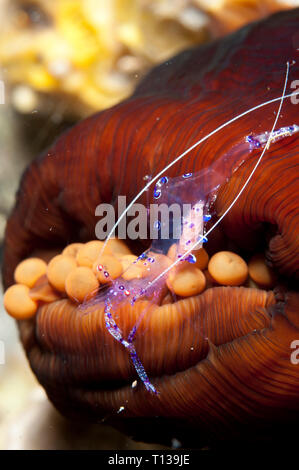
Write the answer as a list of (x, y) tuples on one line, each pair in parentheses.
[(93, 52)]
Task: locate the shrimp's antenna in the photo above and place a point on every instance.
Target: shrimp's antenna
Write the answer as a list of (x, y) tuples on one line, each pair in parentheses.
[(188, 150), (201, 238)]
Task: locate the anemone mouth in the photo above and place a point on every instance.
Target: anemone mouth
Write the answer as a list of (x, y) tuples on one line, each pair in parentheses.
[(73, 348)]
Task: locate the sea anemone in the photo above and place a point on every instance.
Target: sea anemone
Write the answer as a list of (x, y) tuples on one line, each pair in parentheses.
[(214, 350)]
